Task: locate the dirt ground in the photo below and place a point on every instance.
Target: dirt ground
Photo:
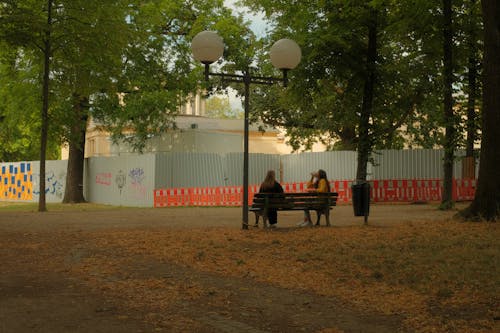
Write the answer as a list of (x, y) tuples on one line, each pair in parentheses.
[(41, 292)]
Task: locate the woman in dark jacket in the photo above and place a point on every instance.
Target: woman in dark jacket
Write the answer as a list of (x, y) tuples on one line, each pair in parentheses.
[(270, 185)]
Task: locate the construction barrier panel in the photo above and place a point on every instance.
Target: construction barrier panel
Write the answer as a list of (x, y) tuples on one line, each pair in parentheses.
[(160, 198), (464, 189), (343, 188), (385, 190)]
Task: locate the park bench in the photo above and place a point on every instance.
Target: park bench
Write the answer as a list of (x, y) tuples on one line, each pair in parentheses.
[(320, 202)]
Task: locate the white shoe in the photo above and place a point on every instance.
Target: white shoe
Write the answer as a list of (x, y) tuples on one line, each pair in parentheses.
[(273, 225), (306, 224), (301, 223)]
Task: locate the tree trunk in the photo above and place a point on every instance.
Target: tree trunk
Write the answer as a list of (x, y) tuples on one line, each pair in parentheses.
[(42, 205), (365, 142), (73, 192), (449, 141), (472, 86), (347, 136), (469, 162), (486, 204)]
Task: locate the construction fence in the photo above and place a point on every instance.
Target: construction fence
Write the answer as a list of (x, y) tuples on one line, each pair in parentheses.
[(211, 179), (393, 190)]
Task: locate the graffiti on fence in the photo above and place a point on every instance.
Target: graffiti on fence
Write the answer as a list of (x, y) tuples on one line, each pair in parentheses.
[(120, 180), (103, 178), (54, 184), (137, 177)]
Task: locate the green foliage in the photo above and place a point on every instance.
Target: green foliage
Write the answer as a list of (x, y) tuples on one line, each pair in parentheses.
[(157, 74), (126, 63), (325, 96), (83, 53), (220, 108), (20, 110)]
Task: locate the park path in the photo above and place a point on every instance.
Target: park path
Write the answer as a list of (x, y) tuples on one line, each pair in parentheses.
[(195, 217)]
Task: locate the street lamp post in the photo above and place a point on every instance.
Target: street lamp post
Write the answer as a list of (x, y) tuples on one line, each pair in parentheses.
[(285, 54)]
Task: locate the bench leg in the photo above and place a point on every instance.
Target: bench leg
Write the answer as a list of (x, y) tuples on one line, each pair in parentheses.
[(257, 217), (327, 216)]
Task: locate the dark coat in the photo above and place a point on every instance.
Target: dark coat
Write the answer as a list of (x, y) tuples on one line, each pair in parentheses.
[(275, 189), (272, 214)]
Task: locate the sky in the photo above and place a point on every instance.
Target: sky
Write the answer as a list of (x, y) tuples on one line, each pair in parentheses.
[(258, 25)]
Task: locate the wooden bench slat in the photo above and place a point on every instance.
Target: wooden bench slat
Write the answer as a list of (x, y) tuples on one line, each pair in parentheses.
[(322, 203)]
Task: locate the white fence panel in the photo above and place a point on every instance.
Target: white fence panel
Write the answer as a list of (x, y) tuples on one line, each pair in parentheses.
[(121, 181), (339, 165), (413, 164), (189, 169), (258, 165)]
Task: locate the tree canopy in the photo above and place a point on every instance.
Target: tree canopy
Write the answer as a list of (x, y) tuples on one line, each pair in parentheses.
[(125, 63), (326, 91)]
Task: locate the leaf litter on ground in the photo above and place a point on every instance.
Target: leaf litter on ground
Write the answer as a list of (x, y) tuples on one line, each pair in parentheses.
[(441, 276)]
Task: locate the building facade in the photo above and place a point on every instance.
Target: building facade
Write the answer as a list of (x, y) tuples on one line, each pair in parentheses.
[(195, 133)]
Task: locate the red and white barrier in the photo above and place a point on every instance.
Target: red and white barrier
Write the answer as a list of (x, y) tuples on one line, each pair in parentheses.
[(385, 190)]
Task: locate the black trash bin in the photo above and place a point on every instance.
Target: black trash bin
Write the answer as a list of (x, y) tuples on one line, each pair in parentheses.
[(361, 199)]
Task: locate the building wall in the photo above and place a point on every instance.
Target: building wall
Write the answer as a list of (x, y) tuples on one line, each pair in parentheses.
[(207, 135)]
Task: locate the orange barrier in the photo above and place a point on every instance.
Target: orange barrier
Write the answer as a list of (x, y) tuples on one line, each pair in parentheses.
[(386, 190), (343, 188), (464, 189), (230, 196), (160, 198)]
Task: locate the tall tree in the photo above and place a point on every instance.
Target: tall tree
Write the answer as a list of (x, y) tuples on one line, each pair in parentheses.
[(78, 44), (472, 78), (368, 72), (365, 143), (27, 27), (95, 34), (449, 119), (472, 25), (486, 203), (47, 54)]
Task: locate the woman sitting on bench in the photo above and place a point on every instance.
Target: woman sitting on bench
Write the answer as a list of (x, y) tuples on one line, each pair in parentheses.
[(270, 185), (319, 183)]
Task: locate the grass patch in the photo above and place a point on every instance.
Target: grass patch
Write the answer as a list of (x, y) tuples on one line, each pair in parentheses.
[(33, 207)]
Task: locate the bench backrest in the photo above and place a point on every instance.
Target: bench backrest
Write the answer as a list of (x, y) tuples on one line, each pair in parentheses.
[(311, 200)]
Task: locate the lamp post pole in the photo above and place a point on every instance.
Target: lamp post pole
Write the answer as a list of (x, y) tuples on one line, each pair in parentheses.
[(246, 81), (208, 47)]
